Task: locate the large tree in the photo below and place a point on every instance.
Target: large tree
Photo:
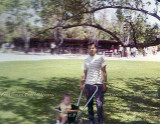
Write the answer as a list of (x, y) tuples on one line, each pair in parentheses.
[(17, 17), (73, 13)]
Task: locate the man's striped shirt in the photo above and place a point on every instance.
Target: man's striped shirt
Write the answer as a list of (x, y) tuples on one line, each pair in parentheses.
[(93, 65)]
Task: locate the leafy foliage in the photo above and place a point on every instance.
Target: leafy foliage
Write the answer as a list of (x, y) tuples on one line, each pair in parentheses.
[(72, 12)]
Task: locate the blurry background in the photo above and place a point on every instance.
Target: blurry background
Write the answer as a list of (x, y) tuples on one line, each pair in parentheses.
[(32, 25), (34, 29)]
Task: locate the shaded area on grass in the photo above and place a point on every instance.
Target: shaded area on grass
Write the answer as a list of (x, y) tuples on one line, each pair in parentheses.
[(31, 101), (136, 99)]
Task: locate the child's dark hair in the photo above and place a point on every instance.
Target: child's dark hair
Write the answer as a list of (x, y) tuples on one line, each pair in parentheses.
[(92, 43), (66, 95)]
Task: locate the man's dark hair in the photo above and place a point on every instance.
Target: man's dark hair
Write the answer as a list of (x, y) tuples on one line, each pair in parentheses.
[(93, 43)]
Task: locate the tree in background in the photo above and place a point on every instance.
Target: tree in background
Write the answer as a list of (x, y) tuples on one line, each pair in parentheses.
[(17, 17), (75, 13), (81, 13)]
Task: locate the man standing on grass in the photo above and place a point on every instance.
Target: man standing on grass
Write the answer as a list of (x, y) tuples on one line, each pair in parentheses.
[(94, 69)]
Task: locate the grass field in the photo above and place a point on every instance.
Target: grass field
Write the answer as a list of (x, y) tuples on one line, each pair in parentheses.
[(30, 89)]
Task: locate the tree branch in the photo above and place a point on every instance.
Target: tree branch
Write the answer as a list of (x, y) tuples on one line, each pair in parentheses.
[(123, 7), (85, 24)]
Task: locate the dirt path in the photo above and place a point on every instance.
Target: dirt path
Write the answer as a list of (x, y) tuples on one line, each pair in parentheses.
[(41, 56)]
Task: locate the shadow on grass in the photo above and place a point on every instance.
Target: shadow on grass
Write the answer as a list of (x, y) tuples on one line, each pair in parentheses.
[(30, 101)]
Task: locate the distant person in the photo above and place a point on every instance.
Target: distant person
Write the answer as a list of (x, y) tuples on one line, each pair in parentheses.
[(65, 106), (113, 49), (116, 51), (94, 74), (120, 50), (133, 51), (145, 51), (3, 47), (52, 46), (127, 51), (154, 50), (12, 47)]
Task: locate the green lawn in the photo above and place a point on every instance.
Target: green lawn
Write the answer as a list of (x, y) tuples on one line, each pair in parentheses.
[(30, 89)]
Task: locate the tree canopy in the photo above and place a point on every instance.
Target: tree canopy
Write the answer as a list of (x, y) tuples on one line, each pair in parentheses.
[(131, 18)]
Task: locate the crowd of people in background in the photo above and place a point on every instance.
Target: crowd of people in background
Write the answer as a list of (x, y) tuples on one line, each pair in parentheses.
[(133, 51)]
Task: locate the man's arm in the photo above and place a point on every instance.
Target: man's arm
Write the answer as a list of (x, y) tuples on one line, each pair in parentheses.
[(104, 74), (83, 79), (104, 78)]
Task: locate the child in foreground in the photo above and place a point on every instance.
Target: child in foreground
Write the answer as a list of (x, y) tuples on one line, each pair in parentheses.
[(65, 106)]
